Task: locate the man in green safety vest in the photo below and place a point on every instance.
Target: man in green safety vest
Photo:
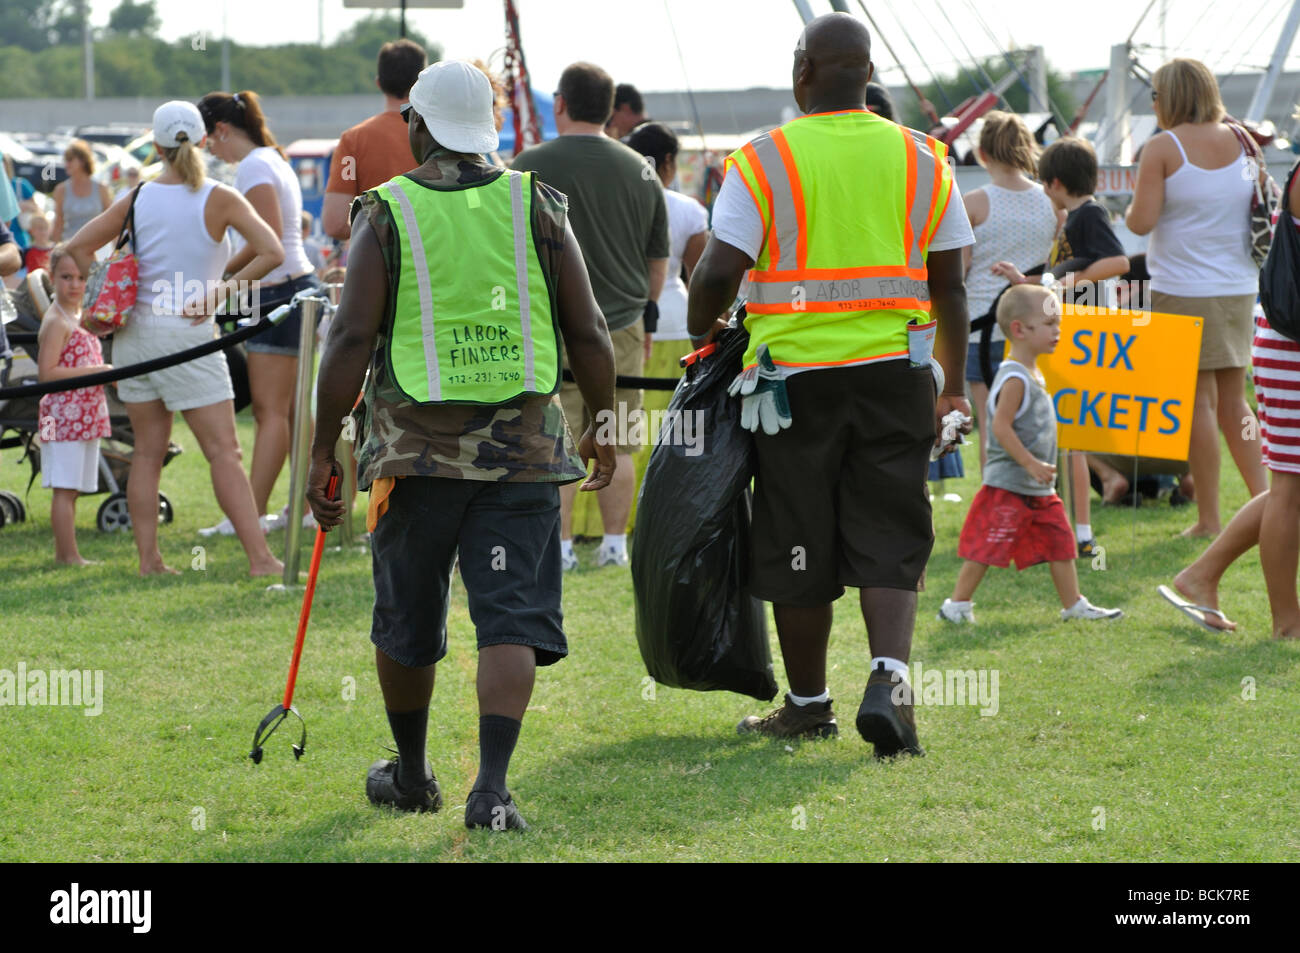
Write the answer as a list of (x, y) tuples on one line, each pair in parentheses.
[(849, 229), (462, 280)]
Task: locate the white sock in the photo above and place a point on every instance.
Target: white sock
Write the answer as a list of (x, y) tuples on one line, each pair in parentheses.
[(1083, 532), (566, 547), (799, 700), (957, 603), (616, 543), (891, 665)]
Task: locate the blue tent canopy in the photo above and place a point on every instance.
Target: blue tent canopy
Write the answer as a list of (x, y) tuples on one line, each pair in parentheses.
[(545, 115)]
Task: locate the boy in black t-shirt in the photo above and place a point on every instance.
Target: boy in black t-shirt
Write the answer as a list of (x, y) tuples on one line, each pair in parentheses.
[(1085, 253)]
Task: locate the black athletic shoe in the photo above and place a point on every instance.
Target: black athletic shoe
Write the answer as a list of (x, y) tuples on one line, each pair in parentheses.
[(887, 721), (381, 788), (486, 809), (1087, 549)]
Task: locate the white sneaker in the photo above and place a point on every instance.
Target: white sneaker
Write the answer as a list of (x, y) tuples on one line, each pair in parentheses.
[(1083, 609), (224, 528), (958, 613), (609, 556), (568, 563), (308, 521)]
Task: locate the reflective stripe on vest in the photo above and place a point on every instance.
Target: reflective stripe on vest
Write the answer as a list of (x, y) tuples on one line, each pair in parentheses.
[(472, 310), (875, 277)]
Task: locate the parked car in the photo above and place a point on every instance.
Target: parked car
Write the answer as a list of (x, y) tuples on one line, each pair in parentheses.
[(114, 133)]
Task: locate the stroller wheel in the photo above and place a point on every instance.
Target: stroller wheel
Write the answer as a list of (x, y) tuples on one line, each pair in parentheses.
[(9, 509), (17, 502), (113, 514)]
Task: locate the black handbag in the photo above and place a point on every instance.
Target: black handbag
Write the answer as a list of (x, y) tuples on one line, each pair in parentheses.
[(1279, 278)]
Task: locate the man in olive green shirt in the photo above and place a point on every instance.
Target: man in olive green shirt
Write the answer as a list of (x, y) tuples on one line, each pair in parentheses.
[(617, 211)]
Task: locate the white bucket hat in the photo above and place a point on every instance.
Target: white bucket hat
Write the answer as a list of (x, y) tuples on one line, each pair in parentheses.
[(454, 99), (176, 117)]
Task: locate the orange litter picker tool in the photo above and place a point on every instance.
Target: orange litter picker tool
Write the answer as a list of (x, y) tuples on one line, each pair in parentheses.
[(279, 713)]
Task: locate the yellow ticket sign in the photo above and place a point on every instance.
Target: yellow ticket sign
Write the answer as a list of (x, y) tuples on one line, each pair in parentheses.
[(1124, 381)]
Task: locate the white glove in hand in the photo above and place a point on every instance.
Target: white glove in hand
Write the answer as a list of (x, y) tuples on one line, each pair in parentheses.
[(762, 391), (952, 422)]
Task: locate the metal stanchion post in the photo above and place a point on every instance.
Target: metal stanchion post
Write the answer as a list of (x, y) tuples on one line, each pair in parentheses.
[(300, 454), (343, 453)]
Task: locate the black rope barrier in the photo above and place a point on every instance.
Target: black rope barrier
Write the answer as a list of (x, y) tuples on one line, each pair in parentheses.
[(134, 370), (220, 344)]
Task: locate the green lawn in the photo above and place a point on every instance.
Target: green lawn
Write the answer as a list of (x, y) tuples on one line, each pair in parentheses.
[(1143, 718)]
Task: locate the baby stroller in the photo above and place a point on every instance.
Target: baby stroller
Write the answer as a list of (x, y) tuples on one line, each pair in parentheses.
[(19, 417)]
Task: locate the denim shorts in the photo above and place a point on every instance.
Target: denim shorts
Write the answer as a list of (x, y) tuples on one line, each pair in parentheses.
[(283, 338), (997, 350), (508, 538)]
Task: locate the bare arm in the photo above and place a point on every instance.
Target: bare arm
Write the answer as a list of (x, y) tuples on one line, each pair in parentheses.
[(714, 284), (1010, 394), (1101, 269), (1149, 192), (976, 203), (334, 215), (658, 269), (57, 233), (267, 205), (51, 341), (948, 305), (343, 364), (591, 355), (10, 259), (691, 255)]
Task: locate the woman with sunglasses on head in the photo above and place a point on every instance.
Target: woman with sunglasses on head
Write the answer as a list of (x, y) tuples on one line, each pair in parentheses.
[(78, 198), (238, 133)]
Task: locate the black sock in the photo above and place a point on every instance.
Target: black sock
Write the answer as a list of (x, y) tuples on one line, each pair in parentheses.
[(410, 728), (497, 735)]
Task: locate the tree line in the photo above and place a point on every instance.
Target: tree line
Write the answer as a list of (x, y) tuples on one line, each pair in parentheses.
[(41, 56)]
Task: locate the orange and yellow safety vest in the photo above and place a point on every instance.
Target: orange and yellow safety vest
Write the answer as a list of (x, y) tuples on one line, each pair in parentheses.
[(850, 203)]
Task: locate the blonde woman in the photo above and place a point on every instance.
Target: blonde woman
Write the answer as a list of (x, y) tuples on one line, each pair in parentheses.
[(180, 230), (1193, 196), (78, 198)]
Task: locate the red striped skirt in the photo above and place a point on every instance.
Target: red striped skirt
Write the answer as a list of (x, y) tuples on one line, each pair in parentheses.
[(1275, 360)]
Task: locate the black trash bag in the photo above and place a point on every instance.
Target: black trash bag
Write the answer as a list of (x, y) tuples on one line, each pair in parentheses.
[(696, 623), (1279, 278)]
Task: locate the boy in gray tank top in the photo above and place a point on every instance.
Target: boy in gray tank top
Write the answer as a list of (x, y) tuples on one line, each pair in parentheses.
[(1016, 515)]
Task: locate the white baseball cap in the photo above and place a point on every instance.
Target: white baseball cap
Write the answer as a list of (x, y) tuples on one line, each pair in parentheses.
[(454, 99), (172, 119)]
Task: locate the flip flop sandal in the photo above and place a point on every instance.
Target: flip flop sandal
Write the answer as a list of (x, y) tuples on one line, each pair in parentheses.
[(1196, 613)]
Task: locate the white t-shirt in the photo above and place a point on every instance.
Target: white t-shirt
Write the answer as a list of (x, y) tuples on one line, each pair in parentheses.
[(738, 222), (686, 217), (264, 166)]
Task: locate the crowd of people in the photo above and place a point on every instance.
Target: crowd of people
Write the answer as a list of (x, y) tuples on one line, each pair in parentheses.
[(470, 443)]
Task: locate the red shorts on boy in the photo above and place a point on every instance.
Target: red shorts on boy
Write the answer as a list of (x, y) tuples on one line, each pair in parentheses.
[(1003, 526)]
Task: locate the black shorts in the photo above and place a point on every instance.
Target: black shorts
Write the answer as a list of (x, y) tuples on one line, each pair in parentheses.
[(285, 337), (840, 497), (508, 537)]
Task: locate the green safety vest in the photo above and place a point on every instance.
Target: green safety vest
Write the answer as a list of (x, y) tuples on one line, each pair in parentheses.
[(849, 203), (471, 310)]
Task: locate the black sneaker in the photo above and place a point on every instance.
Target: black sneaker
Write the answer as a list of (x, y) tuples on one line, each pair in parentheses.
[(486, 809), (1087, 549), (887, 722), (814, 720), (382, 789)]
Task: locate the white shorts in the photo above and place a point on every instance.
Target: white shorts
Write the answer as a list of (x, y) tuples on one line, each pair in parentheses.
[(196, 383), (70, 465)]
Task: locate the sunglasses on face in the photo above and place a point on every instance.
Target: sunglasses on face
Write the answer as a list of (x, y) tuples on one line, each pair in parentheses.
[(1154, 95), (405, 110)]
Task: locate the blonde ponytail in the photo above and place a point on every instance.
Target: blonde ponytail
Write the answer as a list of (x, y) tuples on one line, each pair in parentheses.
[(187, 162), (1005, 139)]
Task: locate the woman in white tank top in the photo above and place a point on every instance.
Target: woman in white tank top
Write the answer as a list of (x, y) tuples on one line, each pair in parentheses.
[(1013, 220), (180, 224), (1193, 195), (238, 133)]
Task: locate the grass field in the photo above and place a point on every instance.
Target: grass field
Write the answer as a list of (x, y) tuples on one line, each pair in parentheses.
[(1130, 740)]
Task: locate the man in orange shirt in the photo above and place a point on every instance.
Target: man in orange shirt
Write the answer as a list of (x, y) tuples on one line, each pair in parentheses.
[(373, 151)]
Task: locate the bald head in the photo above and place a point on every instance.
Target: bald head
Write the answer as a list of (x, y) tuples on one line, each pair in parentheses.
[(832, 63)]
